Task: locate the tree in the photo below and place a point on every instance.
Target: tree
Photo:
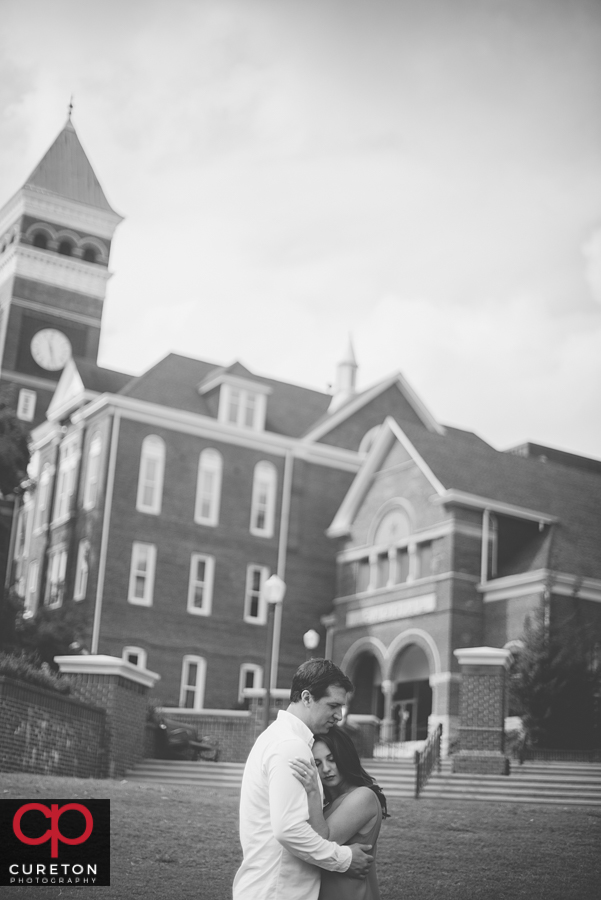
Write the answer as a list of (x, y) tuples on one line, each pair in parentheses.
[(555, 680), (14, 450)]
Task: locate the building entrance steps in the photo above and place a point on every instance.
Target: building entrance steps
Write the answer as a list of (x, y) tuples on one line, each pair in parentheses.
[(533, 782)]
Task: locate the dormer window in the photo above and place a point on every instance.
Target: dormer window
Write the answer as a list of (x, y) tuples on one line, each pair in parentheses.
[(241, 406), (242, 401)]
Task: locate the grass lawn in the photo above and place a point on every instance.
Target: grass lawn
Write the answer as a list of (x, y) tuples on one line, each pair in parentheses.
[(182, 843)]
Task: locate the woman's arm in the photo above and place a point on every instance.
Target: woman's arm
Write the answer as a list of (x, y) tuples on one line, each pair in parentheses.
[(307, 775), (358, 810)]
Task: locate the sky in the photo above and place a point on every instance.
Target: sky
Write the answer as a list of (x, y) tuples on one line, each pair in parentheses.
[(425, 177)]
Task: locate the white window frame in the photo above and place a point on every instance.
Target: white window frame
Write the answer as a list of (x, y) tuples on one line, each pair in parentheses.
[(264, 493), (137, 651), (82, 569), (206, 584), (42, 500), (246, 400), (250, 592), (138, 550), (55, 579), (257, 682), (26, 405), (90, 493), (153, 451), (65, 480), (31, 593), (208, 487), (198, 689)]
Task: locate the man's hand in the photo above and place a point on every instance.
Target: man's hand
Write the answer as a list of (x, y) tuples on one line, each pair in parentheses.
[(361, 861)]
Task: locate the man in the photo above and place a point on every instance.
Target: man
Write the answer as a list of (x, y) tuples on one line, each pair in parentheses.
[(282, 853)]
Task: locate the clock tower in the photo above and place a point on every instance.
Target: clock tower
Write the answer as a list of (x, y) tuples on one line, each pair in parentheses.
[(55, 244)]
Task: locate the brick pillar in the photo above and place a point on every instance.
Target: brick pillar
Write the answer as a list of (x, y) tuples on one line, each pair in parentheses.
[(122, 690), (280, 699), (482, 711)]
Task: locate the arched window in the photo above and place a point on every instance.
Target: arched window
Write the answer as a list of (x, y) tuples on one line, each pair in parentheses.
[(90, 254), (40, 240), (81, 571), (90, 492), (192, 689), (208, 488), (65, 248), (150, 478), (41, 510), (262, 515)]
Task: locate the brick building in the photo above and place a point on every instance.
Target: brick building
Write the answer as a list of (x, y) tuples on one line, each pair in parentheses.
[(446, 543), (160, 504)]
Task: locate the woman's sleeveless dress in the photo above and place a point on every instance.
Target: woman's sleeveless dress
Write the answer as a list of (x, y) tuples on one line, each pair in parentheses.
[(338, 886)]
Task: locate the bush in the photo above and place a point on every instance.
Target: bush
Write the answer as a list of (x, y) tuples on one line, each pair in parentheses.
[(28, 669)]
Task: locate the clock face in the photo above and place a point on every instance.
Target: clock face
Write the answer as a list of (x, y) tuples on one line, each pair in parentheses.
[(51, 349)]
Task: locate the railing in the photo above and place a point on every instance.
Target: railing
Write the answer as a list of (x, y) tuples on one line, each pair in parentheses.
[(426, 759)]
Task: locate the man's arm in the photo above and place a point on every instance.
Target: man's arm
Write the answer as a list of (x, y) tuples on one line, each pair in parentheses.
[(289, 813)]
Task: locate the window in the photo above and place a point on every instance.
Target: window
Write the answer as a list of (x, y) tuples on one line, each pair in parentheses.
[(141, 576), (424, 552), (208, 488), (40, 240), (81, 571), (191, 695), (65, 248), (135, 655), (90, 254), (26, 405), (90, 492), (41, 511), (402, 566), (242, 407), (254, 604), (251, 677), (150, 480), (55, 583), (262, 513), (65, 486), (31, 593), (363, 575), (200, 587)]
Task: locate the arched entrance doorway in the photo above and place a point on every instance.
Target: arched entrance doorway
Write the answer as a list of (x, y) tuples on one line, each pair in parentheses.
[(366, 676), (411, 695)]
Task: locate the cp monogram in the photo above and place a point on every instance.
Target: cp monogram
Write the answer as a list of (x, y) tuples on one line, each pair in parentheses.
[(53, 834)]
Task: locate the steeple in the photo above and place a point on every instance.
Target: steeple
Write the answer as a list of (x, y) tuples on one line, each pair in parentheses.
[(65, 170), (346, 377)]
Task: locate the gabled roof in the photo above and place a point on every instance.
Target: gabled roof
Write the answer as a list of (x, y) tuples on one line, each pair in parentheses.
[(336, 417), (463, 469), (174, 381), (65, 170), (80, 381)]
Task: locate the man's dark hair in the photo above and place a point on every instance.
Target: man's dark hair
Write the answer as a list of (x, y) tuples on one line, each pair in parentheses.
[(316, 676)]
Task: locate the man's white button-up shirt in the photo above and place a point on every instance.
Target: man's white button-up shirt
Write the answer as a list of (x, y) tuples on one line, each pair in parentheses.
[(282, 853)]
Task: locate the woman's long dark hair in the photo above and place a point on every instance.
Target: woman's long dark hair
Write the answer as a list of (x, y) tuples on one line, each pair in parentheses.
[(349, 765)]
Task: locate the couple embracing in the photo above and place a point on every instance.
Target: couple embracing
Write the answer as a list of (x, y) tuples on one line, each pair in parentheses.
[(294, 847)]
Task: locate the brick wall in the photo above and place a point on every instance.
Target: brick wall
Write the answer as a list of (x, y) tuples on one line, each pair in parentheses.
[(125, 703), (234, 734), (48, 733), (482, 708)]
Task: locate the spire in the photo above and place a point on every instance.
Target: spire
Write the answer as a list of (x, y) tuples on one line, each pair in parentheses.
[(65, 170), (346, 378)]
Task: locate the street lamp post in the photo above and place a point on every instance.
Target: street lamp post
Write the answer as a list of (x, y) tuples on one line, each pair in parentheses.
[(311, 641), (273, 593)]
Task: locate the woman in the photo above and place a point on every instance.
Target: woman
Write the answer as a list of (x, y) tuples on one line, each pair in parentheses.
[(354, 809)]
